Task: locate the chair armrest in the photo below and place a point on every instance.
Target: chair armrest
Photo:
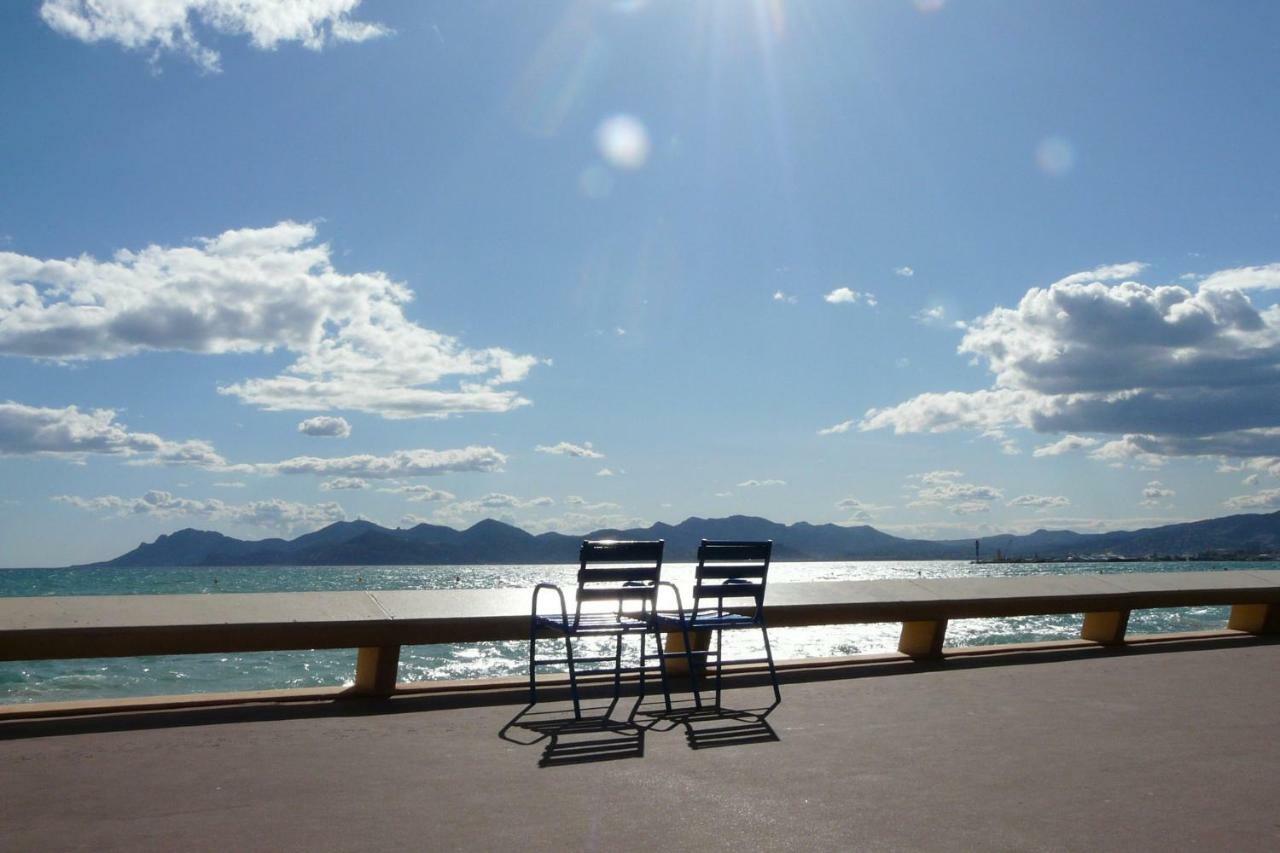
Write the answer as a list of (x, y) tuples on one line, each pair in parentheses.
[(676, 590), (537, 590)]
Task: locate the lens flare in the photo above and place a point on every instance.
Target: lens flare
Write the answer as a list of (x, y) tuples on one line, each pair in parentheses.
[(1055, 156), (623, 142)]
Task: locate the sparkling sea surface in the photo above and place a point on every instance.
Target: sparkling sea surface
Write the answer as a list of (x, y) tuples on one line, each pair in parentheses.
[(41, 681)]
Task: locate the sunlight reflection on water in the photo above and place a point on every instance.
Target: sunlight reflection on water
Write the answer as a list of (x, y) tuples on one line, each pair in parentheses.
[(81, 679)]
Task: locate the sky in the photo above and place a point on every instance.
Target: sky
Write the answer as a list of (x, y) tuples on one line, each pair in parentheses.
[(945, 267)]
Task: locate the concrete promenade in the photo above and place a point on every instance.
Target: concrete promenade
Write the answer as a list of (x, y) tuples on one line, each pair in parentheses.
[(1172, 747)]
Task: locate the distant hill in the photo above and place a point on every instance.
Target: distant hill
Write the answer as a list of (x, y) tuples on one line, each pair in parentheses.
[(493, 542)]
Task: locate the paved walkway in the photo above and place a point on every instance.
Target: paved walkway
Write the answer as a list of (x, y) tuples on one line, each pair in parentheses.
[(1169, 750)]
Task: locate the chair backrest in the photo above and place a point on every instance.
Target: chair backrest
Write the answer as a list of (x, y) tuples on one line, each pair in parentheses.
[(616, 570), (732, 570)]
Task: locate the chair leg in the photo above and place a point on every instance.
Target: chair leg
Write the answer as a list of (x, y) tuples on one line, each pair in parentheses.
[(533, 664), (662, 668), (617, 668), (573, 678), (688, 658), (773, 671), (719, 662), (644, 659)]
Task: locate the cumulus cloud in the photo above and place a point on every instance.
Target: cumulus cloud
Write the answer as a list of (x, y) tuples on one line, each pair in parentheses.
[(324, 425), (747, 484), (846, 296), (579, 523), (1155, 492), (172, 26), (1040, 501), (1167, 370), (930, 316), (495, 505), (256, 290), (1263, 499), (606, 472), (401, 463), (843, 426), (1067, 444), (859, 510), (274, 513), (905, 272), (947, 489), (581, 504), (72, 433), (789, 298), (344, 483), (420, 493), (565, 448)]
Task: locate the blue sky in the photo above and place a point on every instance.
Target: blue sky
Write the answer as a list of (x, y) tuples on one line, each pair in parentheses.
[(946, 268)]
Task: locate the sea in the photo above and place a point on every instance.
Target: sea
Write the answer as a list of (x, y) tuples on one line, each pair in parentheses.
[(45, 681)]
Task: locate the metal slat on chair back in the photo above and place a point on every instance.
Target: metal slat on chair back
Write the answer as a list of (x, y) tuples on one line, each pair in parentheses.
[(611, 570), (729, 570)]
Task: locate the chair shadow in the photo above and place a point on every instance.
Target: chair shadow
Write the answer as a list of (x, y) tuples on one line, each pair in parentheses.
[(712, 726), (596, 736)]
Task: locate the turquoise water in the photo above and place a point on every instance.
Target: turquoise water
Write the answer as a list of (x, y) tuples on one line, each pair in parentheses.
[(39, 681)]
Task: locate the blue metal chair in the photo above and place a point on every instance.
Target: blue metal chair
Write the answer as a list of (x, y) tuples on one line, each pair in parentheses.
[(618, 573), (728, 571)]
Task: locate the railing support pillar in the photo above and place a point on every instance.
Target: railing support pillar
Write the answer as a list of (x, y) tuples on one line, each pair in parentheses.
[(1106, 627), (1255, 618), (376, 670), (699, 641), (923, 640)]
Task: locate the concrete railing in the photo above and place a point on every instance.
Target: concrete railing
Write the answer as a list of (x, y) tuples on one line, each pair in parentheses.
[(379, 623)]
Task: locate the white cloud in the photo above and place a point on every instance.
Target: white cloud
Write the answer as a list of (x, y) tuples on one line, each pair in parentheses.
[(565, 448), (171, 26), (845, 296), (605, 472), (1067, 444), (789, 298), (72, 433), (1129, 448), (1167, 370), (230, 484), (324, 425), (578, 523), (905, 272), (420, 493), (1251, 480), (1008, 446), (1264, 499), (581, 504), (344, 483), (752, 483), (494, 504), (859, 510), (401, 463), (1040, 502), (274, 513), (1155, 492), (255, 290), (843, 426), (947, 489), (930, 316)]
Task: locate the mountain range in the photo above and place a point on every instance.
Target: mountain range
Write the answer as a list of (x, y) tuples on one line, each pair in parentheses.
[(494, 542)]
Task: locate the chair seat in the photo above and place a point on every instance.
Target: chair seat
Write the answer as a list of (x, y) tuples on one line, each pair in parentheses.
[(707, 619), (594, 623)]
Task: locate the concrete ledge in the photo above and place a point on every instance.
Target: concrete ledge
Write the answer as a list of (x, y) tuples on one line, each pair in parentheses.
[(514, 690)]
